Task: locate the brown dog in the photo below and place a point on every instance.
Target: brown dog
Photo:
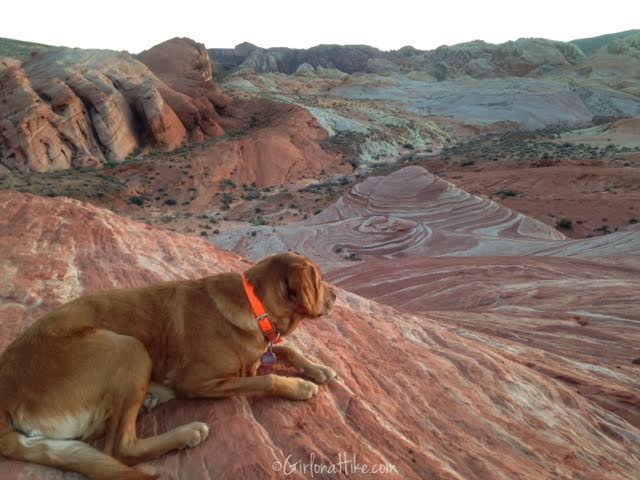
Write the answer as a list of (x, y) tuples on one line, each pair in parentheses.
[(83, 371)]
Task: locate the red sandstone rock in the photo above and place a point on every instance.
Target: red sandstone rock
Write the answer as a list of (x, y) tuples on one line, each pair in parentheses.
[(76, 107), (72, 107), (282, 145), (574, 319), (410, 212), (185, 68), (434, 400)]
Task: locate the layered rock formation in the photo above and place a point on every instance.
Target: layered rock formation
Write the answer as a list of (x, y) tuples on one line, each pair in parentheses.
[(412, 213), (407, 213), (431, 400), (71, 107), (574, 319), (616, 64), (476, 59), (185, 68), (532, 103)]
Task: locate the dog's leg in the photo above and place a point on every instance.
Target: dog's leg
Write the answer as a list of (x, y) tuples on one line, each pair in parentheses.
[(288, 387), (316, 372), (121, 440), (69, 455)]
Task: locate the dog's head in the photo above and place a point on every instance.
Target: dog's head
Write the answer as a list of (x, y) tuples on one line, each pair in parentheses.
[(291, 286)]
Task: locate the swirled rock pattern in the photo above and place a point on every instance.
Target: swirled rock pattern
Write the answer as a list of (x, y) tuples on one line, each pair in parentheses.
[(407, 213), (432, 399), (581, 315)]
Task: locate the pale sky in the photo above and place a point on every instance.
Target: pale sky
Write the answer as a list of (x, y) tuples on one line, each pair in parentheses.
[(137, 25)]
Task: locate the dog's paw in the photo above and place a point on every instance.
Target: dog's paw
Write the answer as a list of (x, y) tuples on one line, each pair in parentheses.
[(304, 390), (320, 373), (194, 433), (150, 401), (156, 395)]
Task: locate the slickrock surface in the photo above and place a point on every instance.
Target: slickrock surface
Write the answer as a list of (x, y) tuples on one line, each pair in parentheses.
[(72, 107), (434, 400), (410, 212), (582, 312), (58, 249)]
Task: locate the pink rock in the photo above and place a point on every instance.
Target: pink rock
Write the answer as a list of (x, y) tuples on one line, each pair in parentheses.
[(72, 107), (435, 400)]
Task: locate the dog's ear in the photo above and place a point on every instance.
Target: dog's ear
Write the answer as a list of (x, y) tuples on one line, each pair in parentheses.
[(304, 284)]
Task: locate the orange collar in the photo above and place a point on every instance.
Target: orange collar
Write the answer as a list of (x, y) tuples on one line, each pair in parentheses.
[(267, 328)]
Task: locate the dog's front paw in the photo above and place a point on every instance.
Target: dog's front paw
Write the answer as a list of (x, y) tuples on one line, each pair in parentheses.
[(193, 433), (320, 373), (304, 390)]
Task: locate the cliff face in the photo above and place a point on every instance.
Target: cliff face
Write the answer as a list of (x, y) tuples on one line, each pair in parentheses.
[(418, 397)]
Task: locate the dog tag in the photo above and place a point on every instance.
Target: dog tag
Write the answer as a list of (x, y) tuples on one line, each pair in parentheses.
[(268, 359)]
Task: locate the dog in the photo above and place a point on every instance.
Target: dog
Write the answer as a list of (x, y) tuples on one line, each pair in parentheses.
[(84, 371)]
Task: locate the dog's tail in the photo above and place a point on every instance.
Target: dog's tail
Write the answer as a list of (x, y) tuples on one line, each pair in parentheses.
[(71, 455)]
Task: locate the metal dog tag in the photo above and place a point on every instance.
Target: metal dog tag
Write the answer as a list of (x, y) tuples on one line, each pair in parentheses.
[(268, 359)]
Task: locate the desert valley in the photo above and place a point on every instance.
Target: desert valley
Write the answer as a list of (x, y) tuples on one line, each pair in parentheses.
[(476, 206)]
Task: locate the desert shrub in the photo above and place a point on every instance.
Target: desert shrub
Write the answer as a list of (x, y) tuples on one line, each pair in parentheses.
[(507, 193), (251, 195), (565, 224), (170, 201), (605, 229), (227, 182), (227, 199), (137, 200)]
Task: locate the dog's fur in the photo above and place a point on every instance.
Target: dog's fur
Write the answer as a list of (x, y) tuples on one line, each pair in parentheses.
[(84, 370)]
